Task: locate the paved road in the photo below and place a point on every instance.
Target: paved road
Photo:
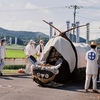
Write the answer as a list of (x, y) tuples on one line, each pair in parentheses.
[(23, 88)]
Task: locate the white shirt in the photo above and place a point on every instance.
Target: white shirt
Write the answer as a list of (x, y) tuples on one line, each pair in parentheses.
[(2, 52), (30, 50), (92, 65), (38, 48)]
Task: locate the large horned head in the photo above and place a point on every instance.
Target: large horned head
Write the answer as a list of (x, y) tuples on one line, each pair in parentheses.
[(63, 34)]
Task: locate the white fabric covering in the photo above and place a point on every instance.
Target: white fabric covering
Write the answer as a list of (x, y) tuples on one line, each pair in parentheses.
[(81, 49), (64, 48)]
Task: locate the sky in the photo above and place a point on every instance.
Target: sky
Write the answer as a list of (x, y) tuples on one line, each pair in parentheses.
[(28, 15)]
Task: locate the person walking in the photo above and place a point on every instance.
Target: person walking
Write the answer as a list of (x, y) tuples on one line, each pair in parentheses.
[(2, 55), (39, 50), (29, 51), (91, 67)]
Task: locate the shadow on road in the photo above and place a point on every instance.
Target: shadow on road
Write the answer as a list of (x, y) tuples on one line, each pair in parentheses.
[(76, 87), (8, 77)]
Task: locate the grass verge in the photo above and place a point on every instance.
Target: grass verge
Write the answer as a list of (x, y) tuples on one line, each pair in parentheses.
[(10, 72)]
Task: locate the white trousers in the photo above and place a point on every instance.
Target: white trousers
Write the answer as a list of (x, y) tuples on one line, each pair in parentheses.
[(1, 64), (39, 58), (94, 80), (29, 67)]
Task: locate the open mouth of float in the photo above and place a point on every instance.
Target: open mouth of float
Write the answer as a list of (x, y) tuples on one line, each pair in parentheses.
[(60, 62), (55, 69)]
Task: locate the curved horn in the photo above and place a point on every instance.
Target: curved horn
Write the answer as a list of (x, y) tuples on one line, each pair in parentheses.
[(52, 26), (56, 67), (73, 28)]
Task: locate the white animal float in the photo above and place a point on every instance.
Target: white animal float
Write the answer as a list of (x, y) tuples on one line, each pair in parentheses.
[(62, 58)]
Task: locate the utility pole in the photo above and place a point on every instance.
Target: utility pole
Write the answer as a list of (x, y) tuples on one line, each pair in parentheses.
[(75, 7), (50, 30), (87, 33)]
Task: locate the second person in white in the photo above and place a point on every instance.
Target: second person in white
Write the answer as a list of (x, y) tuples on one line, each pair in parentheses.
[(39, 50), (29, 51)]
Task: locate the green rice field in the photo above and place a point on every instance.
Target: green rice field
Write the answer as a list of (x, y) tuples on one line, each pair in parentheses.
[(15, 53)]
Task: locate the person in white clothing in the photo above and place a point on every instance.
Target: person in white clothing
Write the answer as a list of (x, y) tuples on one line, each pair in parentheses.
[(2, 55), (91, 67), (39, 50), (29, 51)]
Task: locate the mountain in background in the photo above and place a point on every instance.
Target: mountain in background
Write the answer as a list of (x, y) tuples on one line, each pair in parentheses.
[(82, 40), (22, 36), (97, 40)]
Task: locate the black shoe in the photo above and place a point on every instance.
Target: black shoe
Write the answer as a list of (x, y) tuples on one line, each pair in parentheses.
[(95, 91), (0, 73)]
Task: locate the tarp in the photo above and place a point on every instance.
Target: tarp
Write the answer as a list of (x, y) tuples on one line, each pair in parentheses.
[(81, 49), (64, 47)]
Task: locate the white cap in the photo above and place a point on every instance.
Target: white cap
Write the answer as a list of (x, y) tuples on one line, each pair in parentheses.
[(41, 41), (31, 41)]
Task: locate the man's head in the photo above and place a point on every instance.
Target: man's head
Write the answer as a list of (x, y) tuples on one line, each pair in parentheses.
[(2, 41), (93, 45), (41, 42), (32, 42)]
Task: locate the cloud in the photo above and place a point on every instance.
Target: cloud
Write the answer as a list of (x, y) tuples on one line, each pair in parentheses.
[(18, 25), (0, 5), (28, 14), (31, 6), (88, 2), (12, 5)]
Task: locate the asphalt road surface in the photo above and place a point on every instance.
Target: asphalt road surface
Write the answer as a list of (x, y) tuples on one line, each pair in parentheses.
[(23, 88)]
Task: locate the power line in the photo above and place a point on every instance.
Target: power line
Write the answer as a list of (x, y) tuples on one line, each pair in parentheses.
[(59, 7), (75, 7), (32, 9), (87, 18)]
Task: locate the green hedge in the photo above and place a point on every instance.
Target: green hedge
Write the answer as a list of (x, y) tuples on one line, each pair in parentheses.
[(15, 67)]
